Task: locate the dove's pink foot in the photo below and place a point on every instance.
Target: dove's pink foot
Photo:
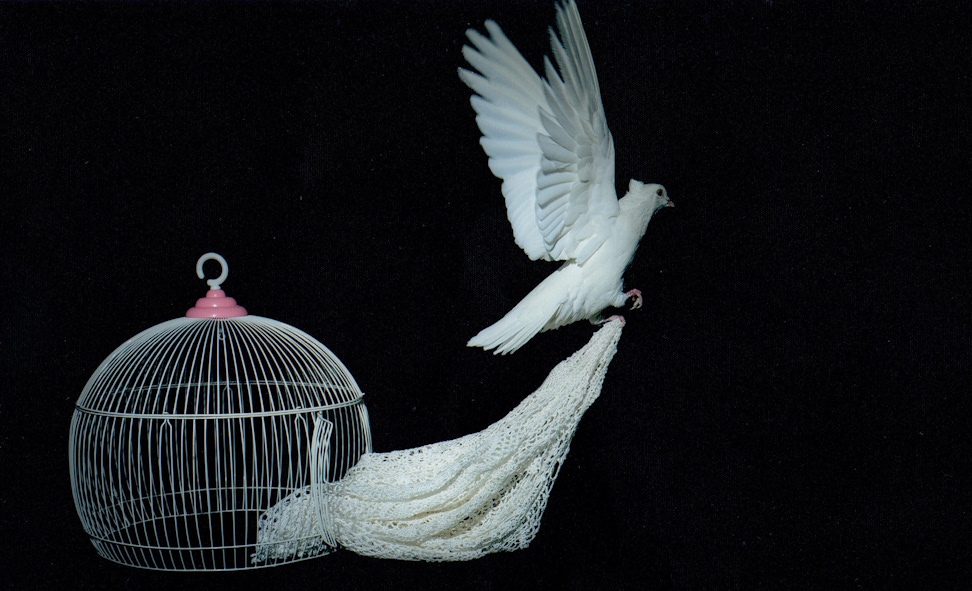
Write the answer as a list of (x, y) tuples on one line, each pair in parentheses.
[(617, 317), (604, 321), (636, 294)]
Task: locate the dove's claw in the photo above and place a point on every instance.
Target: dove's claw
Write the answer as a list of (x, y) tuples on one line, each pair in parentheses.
[(636, 294), (617, 317), (603, 321)]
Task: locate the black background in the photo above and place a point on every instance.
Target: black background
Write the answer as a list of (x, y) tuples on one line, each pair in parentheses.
[(790, 409)]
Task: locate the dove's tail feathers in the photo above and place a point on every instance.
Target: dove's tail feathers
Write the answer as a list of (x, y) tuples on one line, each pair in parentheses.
[(521, 324), (507, 335)]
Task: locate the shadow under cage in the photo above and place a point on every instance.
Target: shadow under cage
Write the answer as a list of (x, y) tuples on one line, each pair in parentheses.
[(189, 432)]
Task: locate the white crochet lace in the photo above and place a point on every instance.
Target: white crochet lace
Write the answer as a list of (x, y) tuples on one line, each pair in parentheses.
[(453, 500)]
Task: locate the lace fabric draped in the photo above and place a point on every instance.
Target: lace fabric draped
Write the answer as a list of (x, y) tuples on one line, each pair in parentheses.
[(452, 500)]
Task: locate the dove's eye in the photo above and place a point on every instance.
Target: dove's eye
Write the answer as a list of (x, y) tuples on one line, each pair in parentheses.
[(660, 192)]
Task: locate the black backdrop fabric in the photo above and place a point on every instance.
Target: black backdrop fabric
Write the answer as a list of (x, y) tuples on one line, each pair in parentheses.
[(790, 408)]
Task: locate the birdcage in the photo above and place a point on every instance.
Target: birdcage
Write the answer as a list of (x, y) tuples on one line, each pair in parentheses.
[(189, 432)]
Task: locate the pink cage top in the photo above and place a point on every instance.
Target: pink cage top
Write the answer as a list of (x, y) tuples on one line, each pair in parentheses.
[(216, 304)]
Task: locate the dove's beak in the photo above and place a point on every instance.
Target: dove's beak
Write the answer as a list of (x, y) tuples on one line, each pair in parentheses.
[(669, 203)]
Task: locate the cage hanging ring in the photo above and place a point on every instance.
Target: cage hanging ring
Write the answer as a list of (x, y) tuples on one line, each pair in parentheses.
[(212, 256)]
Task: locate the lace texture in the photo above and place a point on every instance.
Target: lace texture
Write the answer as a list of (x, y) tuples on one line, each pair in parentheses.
[(453, 500)]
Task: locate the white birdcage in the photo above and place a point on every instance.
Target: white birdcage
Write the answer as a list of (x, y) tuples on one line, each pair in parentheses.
[(189, 432)]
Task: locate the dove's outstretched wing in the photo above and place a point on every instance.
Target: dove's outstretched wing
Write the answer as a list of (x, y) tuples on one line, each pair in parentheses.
[(547, 139)]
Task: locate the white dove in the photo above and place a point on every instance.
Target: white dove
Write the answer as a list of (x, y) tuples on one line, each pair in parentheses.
[(549, 142)]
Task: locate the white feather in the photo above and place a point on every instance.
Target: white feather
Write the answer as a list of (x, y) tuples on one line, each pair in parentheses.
[(549, 141)]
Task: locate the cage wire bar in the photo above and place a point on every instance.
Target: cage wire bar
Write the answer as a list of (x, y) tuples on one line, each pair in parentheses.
[(190, 431)]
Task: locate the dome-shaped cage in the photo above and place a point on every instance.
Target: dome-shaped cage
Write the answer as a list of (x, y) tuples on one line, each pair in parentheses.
[(189, 432)]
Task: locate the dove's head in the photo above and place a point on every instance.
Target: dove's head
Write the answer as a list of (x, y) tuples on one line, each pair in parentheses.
[(651, 196), (641, 203)]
